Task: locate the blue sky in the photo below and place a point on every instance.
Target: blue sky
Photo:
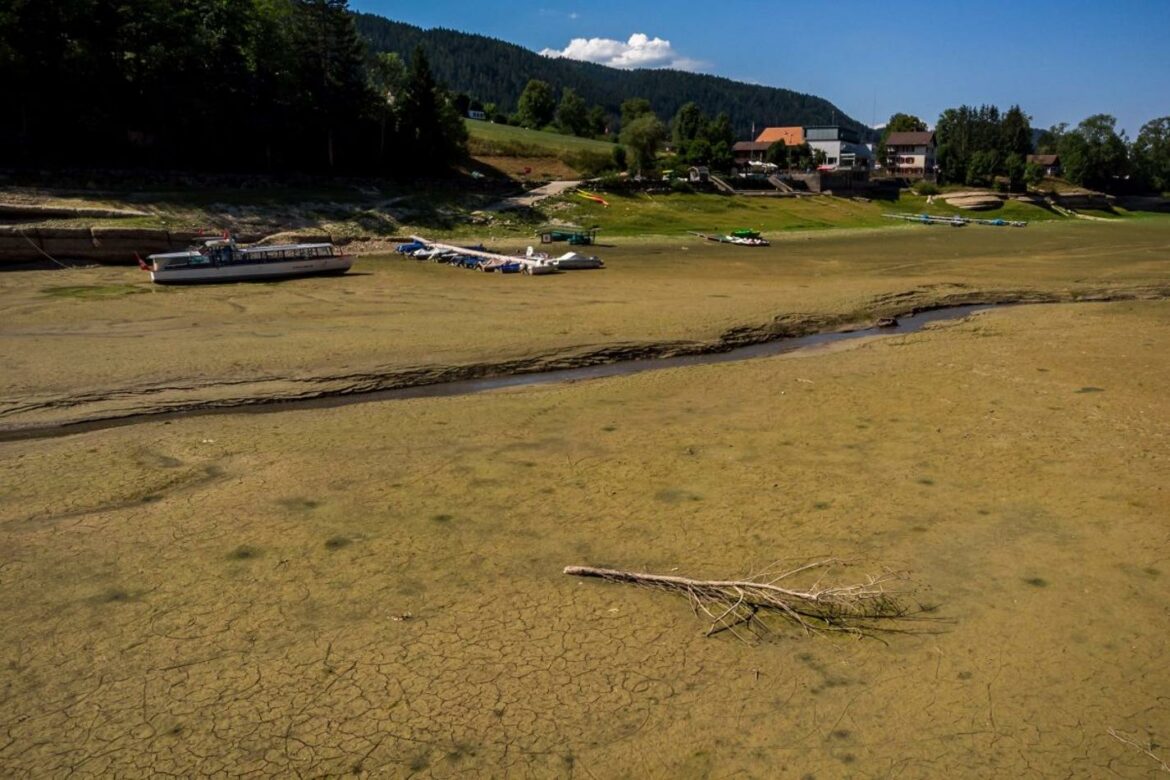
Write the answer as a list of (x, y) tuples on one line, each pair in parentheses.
[(1061, 61)]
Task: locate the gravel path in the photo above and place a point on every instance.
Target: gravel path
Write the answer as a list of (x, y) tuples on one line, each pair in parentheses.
[(532, 197)]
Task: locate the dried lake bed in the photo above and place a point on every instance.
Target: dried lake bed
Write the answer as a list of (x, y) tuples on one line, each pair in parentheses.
[(376, 589)]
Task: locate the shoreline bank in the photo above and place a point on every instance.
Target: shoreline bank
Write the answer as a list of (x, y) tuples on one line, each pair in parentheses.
[(115, 407)]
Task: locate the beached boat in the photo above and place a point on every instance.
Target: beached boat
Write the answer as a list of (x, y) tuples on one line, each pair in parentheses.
[(222, 260), (956, 220), (569, 261), (738, 237), (532, 262), (572, 261)]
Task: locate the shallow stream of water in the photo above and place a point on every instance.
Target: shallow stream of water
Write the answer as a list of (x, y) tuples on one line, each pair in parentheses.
[(780, 346)]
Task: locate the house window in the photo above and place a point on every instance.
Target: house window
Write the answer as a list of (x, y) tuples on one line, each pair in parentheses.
[(831, 160)]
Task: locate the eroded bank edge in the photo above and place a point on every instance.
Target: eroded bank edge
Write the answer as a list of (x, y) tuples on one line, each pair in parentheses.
[(433, 381)]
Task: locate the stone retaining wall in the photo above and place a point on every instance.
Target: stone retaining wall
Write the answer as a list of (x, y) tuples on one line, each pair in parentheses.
[(97, 244), (118, 245)]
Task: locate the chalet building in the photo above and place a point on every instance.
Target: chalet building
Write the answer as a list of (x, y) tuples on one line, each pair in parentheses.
[(791, 136), (841, 145), (749, 151), (911, 154), (1050, 163), (754, 151)]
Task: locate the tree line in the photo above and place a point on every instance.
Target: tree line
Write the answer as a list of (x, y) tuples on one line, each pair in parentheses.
[(1096, 155), (981, 146), (244, 85)]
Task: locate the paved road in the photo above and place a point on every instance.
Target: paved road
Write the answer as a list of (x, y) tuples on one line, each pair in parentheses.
[(532, 197)]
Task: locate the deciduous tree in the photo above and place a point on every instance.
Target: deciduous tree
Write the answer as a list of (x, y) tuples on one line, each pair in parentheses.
[(572, 114), (642, 137), (687, 124), (1151, 154), (632, 108), (537, 104), (777, 154), (1094, 154)]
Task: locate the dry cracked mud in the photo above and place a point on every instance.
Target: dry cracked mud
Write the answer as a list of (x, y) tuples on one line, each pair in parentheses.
[(375, 590)]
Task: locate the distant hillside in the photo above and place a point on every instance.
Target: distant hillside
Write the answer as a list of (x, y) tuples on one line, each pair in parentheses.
[(496, 71)]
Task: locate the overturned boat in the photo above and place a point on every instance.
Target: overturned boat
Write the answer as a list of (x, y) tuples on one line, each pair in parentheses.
[(223, 260)]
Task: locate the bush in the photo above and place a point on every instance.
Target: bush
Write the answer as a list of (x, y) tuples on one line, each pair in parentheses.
[(681, 185), (611, 183), (590, 163), (1033, 174), (619, 157), (926, 188)]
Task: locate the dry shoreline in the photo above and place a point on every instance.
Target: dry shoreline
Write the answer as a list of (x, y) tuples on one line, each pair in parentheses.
[(64, 415)]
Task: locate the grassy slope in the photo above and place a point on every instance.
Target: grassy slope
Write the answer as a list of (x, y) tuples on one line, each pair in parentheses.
[(669, 214), (492, 139), (346, 212)]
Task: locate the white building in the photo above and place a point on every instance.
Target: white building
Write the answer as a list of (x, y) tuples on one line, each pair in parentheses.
[(842, 147), (911, 154)]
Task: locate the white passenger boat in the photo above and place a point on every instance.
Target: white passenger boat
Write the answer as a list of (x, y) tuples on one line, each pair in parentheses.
[(221, 260)]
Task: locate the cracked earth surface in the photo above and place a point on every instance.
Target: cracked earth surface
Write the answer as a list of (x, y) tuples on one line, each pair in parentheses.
[(375, 590)]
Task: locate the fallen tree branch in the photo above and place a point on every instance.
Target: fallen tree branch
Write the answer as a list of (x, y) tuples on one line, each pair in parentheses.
[(1147, 749), (861, 608)]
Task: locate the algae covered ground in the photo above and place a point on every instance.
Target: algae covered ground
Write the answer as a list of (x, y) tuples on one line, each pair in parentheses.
[(376, 589)]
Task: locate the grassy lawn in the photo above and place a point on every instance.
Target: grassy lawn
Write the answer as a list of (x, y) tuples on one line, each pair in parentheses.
[(643, 214), (492, 139), (444, 210)]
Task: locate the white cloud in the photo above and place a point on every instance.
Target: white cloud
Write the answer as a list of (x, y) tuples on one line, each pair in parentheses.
[(640, 51)]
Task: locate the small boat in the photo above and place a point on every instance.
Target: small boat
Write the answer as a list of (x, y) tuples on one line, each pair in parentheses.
[(501, 264), (532, 262), (738, 237), (222, 260), (887, 322), (572, 261), (956, 220)]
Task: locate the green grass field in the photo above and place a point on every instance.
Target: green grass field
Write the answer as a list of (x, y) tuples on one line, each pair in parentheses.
[(643, 214), (492, 139)]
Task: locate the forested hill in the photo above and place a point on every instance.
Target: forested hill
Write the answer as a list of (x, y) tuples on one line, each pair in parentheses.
[(495, 71)]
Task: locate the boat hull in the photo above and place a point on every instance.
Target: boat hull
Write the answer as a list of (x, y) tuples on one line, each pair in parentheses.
[(250, 272)]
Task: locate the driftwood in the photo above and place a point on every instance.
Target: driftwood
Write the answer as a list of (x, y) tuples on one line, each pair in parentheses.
[(1148, 748), (861, 609)]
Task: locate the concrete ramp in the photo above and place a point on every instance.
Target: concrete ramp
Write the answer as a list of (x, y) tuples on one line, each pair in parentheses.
[(779, 183), (532, 197), (722, 184)]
